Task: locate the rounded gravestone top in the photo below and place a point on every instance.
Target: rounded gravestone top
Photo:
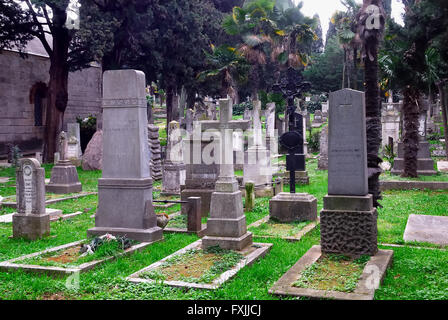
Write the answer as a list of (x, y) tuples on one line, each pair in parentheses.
[(291, 140)]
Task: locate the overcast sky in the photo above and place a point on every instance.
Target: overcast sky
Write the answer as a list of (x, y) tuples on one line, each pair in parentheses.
[(326, 8)]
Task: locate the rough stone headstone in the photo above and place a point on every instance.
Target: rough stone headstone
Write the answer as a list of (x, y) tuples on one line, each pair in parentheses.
[(31, 220), (92, 158), (423, 228), (155, 150), (64, 177), (348, 219), (174, 166), (226, 226), (323, 157), (125, 205)]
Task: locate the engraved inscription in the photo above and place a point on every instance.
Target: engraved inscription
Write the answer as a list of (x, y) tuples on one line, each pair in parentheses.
[(28, 188)]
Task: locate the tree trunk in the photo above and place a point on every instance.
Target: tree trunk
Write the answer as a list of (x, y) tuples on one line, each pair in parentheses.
[(169, 105), (57, 95), (355, 70), (411, 112), (444, 106), (373, 127)]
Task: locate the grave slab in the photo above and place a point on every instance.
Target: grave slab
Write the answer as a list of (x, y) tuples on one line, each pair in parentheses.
[(442, 166), (54, 214), (365, 289), (423, 228), (251, 254), (294, 238), (15, 265)]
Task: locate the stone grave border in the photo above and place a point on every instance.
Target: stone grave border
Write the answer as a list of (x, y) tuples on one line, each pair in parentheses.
[(200, 233), (10, 265), (14, 204), (297, 237), (283, 287), (260, 252), (54, 218), (409, 185)]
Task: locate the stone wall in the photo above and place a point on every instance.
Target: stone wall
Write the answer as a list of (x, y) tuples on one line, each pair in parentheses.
[(19, 80)]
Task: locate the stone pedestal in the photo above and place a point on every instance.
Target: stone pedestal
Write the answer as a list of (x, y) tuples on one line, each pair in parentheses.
[(173, 178), (349, 225), (64, 179), (291, 207), (29, 226), (425, 164)]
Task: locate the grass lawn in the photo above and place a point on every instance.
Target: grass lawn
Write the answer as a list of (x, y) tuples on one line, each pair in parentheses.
[(415, 274)]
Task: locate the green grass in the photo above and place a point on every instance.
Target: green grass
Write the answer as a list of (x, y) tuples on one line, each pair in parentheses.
[(416, 273), (272, 228)]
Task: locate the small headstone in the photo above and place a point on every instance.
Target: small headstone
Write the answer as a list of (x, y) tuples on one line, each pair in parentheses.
[(73, 130), (194, 219), (442, 166), (31, 221), (250, 196), (155, 151), (174, 167)]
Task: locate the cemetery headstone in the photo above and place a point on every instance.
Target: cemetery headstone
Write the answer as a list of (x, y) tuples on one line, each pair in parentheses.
[(257, 165), (390, 119), (174, 166), (73, 130), (31, 220), (318, 119), (323, 157), (226, 226), (125, 205), (250, 196), (64, 177), (348, 219)]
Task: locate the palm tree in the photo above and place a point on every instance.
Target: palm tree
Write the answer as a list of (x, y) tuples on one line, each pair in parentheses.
[(227, 65), (369, 39)]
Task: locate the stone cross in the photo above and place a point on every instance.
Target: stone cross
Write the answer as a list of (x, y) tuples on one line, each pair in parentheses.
[(226, 126), (226, 226)]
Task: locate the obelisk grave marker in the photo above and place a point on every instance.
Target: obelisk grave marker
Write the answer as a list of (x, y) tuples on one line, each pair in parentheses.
[(125, 191)]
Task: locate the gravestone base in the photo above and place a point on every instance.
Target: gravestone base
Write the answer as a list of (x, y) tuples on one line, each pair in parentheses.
[(226, 226), (228, 243), (125, 209), (31, 227), (290, 207), (349, 225), (204, 194), (173, 178), (302, 178), (141, 235), (64, 179), (425, 164)]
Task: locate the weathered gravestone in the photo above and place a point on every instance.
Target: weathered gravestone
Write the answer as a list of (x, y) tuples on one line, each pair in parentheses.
[(74, 131), (125, 205), (257, 165), (390, 119), (348, 219), (323, 157), (318, 119), (64, 177), (271, 139), (155, 164), (226, 226), (92, 158), (174, 166), (31, 221), (423, 228)]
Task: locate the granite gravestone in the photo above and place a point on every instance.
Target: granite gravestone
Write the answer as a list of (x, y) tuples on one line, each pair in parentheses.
[(174, 166), (125, 205), (31, 221), (64, 177), (226, 226), (348, 219)]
